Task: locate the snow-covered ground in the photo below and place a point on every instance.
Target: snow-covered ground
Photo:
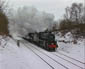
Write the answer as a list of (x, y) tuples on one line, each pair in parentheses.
[(29, 56), (14, 57), (76, 51)]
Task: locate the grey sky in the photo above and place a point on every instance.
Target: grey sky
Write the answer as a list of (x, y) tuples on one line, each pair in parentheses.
[(57, 7)]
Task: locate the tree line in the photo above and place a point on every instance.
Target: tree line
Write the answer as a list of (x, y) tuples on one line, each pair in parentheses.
[(74, 20)]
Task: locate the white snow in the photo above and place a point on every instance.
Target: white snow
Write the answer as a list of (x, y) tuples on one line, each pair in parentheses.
[(57, 62), (14, 57), (74, 50)]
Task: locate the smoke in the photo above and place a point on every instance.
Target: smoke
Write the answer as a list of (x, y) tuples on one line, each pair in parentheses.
[(28, 19)]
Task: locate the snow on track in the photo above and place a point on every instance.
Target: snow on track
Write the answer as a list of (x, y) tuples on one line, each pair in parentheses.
[(34, 61), (68, 64), (51, 62), (14, 57), (74, 61), (69, 56)]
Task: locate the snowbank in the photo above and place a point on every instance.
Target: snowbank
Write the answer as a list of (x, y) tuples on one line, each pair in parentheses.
[(75, 50), (14, 57)]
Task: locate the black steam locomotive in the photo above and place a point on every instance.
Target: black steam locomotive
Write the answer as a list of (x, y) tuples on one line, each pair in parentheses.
[(45, 40)]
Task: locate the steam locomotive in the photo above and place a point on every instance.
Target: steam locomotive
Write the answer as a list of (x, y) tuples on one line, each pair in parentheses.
[(45, 40)]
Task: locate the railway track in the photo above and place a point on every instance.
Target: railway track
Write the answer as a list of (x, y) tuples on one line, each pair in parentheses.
[(74, 63), (44, 52), (71, 58), (51, 60), (40, 57), (57, 56)]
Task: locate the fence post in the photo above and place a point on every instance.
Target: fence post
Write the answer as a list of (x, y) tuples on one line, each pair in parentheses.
[(18, 43)]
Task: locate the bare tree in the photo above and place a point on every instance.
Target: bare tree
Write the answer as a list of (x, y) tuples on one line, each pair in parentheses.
[(67, 15), (3, 5), (74, 13), (74, 19)]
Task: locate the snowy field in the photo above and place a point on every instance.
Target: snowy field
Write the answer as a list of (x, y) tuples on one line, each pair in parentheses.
[(29, 56)]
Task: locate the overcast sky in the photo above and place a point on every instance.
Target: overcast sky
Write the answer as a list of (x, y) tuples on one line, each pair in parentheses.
[(57, 7)]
